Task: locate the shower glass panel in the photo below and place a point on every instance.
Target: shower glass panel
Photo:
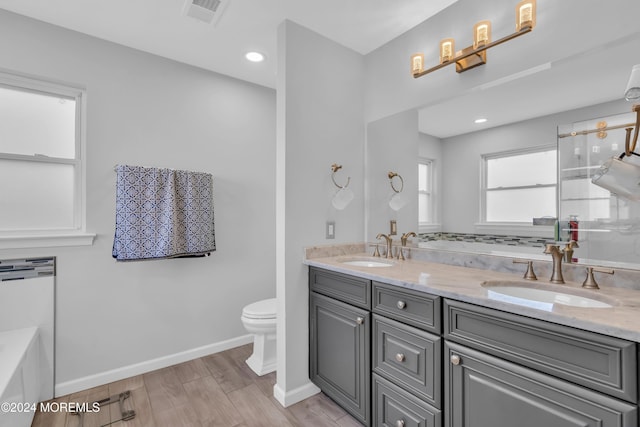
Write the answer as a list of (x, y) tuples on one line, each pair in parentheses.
[(608, 226)]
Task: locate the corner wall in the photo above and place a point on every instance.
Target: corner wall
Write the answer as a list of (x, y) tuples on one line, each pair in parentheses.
[(319, 122)]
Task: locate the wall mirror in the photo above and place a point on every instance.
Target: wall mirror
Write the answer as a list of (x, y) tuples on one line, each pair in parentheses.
[(523, 112)]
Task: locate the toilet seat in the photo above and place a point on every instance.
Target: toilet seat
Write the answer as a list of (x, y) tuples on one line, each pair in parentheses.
[(265, 309)]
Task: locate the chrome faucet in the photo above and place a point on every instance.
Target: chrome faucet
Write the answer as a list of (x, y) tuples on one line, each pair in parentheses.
[(556, 254), (389, 243)]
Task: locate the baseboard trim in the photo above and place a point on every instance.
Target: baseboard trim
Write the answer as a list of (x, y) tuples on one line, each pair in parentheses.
[(296, 395), (106, 377)]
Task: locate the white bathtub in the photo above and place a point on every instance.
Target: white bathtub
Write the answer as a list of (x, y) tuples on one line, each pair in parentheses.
[(19, 376)]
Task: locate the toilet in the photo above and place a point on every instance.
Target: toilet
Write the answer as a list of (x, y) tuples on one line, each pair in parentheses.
[(259, 319)]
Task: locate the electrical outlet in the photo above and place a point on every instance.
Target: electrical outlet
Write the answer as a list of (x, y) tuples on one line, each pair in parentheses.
[(331, 230)]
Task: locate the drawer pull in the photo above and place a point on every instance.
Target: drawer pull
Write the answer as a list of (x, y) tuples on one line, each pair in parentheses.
[(455, 360), (400, 357), (360, 320), (401, 305), (400, 423)]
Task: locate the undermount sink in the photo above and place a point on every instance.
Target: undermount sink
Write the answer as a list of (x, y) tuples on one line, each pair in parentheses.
[(533, 295), (367, 262)]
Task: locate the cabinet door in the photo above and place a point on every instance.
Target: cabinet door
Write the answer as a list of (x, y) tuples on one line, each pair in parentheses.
[(339, 347), (484, 391)]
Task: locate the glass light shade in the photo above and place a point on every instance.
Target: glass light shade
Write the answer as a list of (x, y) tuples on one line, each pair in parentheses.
[(526, 14), (632, 93), (417, 63), (447, 50), (621, 178), (481, 34)]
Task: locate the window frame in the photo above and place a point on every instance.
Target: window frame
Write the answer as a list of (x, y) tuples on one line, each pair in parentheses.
[(433, 225), (512, 227), (43, 236)]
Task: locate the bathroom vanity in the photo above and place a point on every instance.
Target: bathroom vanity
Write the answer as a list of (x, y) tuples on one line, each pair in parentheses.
[(395, 352)]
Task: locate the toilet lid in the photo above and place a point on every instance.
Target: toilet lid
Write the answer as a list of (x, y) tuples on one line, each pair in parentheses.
[(265, 309)]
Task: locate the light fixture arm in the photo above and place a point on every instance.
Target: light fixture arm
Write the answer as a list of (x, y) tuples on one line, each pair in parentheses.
[(470, 51)]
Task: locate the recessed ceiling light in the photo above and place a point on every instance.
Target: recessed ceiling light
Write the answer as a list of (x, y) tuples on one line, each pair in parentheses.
[(480, 121), (254, 56)]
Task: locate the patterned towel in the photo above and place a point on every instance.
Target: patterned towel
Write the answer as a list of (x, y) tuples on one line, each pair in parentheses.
[(163, 213)]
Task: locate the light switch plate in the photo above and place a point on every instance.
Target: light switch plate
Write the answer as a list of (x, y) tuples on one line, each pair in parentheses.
[(393, 228), (331, 230)]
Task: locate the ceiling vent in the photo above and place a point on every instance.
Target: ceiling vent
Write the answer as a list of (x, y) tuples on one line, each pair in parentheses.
[(208, 11)]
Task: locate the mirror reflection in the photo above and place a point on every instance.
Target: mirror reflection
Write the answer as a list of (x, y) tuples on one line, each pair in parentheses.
[(509, 184)]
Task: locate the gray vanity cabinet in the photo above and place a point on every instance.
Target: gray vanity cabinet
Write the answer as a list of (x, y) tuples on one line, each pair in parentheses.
[(340, 340), (485, 391), (506, 370)]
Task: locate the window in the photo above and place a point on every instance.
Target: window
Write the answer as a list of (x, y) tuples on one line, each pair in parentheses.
[(518, 186), (41, 160), (425, 192)]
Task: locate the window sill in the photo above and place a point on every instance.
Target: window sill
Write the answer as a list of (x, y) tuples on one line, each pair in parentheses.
[(515, 229), (429, 228), (46, 241)]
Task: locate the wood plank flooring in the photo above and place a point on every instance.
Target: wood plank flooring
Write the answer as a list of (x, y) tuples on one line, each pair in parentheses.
[(216, 390)]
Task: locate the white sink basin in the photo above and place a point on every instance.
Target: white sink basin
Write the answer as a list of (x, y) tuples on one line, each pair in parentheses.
[(367, 262), (543, 299)]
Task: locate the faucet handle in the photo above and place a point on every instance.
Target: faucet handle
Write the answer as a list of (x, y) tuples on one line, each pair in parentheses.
[(590, 281), (529, 275), (376, 252)]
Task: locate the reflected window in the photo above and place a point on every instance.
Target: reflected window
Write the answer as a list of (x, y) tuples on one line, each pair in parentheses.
[(426, 197), (520, 185), (40, 157)]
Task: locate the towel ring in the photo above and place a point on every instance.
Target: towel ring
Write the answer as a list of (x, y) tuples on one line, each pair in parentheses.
[(335, 168), (392, 175)]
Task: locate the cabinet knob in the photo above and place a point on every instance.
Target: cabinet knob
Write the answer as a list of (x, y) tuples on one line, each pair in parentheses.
[(359, 320), (400, 423), (455, 359), (401, 305), (400, 357)]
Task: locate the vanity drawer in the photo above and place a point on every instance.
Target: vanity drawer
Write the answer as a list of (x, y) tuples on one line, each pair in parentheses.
[(349, 289), (411, 307), (409, 357), (596, 361), (393, 407)]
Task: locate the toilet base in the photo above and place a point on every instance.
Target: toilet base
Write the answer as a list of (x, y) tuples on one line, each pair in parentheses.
[(263, 359)]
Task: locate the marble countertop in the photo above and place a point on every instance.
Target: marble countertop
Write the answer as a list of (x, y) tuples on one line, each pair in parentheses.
[(622, 320)]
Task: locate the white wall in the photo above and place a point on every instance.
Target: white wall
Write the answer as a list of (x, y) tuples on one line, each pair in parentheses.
[(320, 122), (392, 146), (146, 110)]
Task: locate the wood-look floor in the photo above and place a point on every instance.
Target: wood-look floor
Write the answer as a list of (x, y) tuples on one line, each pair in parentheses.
[(216, 390)]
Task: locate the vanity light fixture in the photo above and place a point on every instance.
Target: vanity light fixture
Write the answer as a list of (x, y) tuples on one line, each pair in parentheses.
[(476, 54)]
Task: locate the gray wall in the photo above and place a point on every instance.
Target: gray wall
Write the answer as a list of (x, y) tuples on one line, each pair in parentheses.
[(462, 154), (145, 110), (320, 122), (392, 146)]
